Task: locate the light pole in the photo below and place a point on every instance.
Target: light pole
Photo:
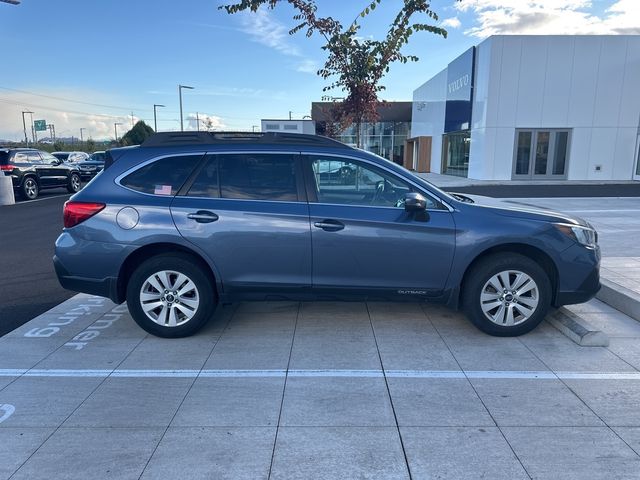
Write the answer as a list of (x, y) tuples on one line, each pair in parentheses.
[(115, 129), (155, 121), (24, 125), (180, 87), (81, 136)]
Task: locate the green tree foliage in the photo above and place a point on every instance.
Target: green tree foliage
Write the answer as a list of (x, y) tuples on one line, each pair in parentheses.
[(355, 64), (90, 146), (138, 134)]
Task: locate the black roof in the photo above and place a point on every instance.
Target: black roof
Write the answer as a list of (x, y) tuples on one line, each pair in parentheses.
[(165, 139)]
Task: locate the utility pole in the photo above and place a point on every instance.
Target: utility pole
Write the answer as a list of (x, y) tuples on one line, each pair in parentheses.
[(198, 121), (50, 126), (33, 130), (131, 119), (81, 136), (290, 112), (24, 125)]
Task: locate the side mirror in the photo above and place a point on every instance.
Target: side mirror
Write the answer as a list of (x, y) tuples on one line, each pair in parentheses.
[(414, 202)]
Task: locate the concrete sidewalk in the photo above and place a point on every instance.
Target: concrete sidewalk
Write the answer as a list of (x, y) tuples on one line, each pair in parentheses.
[(316, 390)]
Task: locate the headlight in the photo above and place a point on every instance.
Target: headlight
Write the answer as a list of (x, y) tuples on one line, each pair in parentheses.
[(584, 235)]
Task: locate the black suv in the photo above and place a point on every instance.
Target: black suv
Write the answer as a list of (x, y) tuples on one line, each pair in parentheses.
[(32, 170)]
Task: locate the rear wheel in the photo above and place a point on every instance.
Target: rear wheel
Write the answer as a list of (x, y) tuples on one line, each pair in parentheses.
[(30, 188), (507, 294), (74, 183), (171, 296)]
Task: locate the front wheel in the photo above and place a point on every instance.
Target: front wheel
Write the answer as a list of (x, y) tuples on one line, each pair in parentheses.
[(507, 295), (74, 183), (171, 296)]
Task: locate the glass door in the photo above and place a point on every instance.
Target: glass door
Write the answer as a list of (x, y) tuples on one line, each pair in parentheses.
[(541, 154), (456, 153)]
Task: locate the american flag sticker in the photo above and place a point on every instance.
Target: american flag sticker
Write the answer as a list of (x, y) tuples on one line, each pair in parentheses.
[(162, 190)]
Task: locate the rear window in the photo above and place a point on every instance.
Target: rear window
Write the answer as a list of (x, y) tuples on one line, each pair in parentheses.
[(258, 177), (4, 156), (162, 177)]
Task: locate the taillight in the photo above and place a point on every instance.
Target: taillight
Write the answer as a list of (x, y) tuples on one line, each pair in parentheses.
[(78, 212), (6, 168)]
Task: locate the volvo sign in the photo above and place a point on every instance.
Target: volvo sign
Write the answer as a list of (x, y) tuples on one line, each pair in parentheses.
[(459, 92)]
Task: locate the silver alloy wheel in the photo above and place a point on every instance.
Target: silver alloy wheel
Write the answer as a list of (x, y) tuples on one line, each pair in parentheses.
[(509, 298), (75, 182), (169, 298), (31, 188)]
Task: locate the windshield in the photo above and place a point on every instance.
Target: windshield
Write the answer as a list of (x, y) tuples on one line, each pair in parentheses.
[(61, 156), (97, 156)]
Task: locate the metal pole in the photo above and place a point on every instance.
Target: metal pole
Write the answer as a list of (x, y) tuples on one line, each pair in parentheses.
[(155, 121), (24, 125), (198, 121), (115, 129), (290, 112), (180, 87), (81, 136), (33, 130), (132, 119)]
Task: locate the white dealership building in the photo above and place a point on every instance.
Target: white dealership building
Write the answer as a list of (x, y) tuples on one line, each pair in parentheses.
[(532, 108)]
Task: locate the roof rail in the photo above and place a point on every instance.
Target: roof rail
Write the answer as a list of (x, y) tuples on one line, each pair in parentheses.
[(165, 139)]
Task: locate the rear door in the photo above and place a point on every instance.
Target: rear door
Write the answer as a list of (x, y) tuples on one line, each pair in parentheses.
[(52, 173), (248, 212), (364, 240)]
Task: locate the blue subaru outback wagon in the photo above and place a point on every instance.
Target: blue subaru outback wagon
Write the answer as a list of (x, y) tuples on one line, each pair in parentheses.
[(188, 220)]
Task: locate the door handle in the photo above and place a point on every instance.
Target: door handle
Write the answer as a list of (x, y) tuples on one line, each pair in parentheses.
[(329, 225), (203, 216)]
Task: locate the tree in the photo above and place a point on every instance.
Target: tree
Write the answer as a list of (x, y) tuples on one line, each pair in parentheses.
[(138, 134), (355, 64), (91, 146)]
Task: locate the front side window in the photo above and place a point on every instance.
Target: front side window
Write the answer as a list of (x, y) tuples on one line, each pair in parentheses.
[(34, 157), (347, 182), (48, 158), (162, 177), (258, 177)]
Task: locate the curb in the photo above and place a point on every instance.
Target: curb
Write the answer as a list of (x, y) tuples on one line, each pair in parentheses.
[(619, 297), (577, 329)]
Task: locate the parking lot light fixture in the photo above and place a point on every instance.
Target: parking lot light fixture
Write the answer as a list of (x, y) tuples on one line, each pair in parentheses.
[(180, 87), (155, 121)]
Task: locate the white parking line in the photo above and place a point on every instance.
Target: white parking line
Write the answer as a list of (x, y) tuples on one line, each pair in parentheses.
[(447, 374)]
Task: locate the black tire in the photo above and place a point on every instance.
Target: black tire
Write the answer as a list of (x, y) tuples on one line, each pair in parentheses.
[(30, 188), (74, 184), (477, 281), (182, 264)]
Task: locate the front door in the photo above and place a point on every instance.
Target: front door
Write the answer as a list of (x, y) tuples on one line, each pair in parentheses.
[(248, 213), (541, 154), (52, 172), (364, 240)]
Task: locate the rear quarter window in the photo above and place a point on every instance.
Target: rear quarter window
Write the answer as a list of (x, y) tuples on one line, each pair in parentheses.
[(162, 177)]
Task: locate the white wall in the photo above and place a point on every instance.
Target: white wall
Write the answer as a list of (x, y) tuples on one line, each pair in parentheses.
[(427, 116), (589, 84)]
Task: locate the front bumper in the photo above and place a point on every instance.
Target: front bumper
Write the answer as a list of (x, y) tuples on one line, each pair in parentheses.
[(579, 276)]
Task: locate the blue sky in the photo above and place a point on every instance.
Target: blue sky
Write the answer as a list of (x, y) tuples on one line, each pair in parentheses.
[(80, 63)]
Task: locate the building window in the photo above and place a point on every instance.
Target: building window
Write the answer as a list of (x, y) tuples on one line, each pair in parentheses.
[(290, 127), (272, 126), (541, 153)]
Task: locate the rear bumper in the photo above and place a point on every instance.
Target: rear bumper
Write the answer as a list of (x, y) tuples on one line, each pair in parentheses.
[(102, 287)]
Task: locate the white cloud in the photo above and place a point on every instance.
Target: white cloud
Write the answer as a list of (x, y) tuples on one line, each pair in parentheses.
[(548, 17), (452, 22), (262, 27), (211, 122), (67, 117)]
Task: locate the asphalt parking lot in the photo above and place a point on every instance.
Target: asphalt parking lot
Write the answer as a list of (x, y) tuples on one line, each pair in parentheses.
[(316, 390)]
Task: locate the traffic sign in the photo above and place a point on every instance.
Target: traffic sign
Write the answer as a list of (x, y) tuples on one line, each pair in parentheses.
[(40, 125)]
